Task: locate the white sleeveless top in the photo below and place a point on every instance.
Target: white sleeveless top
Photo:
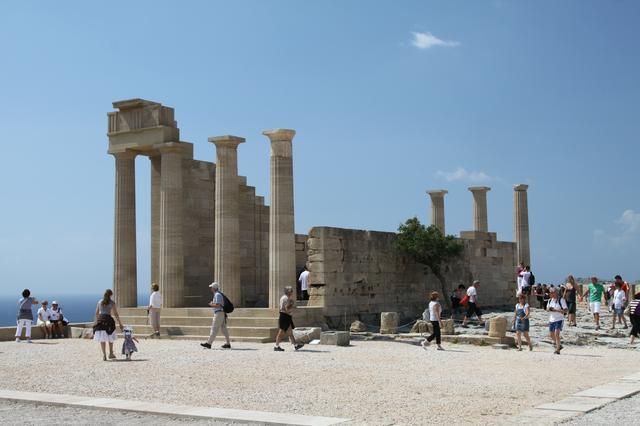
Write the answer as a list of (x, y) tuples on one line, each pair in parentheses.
[(432, 310)]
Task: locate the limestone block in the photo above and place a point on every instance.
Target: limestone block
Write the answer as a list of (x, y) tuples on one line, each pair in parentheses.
[(388, 323), (358, 327), (76, 332), (422, 327), (337, 338), (87, 333), (448, 327), (498, 327), (306, 334)]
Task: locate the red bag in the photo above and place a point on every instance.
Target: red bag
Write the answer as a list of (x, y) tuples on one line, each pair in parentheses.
[(465, 300)]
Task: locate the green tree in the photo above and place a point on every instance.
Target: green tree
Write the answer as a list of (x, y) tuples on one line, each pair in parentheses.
[(428, 246)]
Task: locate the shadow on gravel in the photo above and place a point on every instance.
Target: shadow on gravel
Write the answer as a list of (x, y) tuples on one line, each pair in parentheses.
[(129, 360), (313, 350), (44, 343)]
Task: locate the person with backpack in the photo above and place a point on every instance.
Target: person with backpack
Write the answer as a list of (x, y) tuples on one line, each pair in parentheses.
[(527, 282), (557, 307), (219, 317)]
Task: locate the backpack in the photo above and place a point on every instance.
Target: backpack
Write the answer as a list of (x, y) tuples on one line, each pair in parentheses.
[(465, 300), (532, 280), (228, 306)]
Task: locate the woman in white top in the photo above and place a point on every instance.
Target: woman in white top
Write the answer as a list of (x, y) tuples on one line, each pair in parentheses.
[(619, 299), (557, 307), (155, 304), (521, 320), (435, 312)]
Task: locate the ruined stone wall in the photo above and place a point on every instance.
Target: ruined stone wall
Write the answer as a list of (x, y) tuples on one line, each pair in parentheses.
[(199, 235), (357, 274)]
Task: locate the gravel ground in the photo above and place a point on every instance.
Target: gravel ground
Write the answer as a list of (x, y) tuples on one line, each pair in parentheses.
[(39, 414), (371, 382), (625, 411)]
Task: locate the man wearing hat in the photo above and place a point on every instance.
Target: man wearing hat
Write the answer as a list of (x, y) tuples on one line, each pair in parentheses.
[(472, 305), (219, 318)]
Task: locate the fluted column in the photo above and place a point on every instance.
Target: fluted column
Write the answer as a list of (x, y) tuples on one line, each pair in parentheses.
[(171, 263), (282, 255), (437, 208), (480, 220), (521, 223), (155, 217), (227, 217), (124, 245)]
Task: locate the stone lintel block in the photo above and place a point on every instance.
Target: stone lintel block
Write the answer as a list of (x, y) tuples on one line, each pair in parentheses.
[(335, 338), (478, 235)]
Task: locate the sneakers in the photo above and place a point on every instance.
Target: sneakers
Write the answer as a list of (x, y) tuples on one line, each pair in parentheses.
[(425, 343), (278, 349), (205, 345), (17, 340), (440, 348), (226, 346), (298, 346), (29, 341)]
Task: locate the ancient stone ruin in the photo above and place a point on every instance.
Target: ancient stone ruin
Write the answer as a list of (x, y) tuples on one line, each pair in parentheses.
[(208, 224)]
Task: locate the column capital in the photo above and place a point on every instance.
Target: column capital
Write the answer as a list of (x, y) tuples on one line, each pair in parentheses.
[(125, 154), (520, 187), (437, 192), (179, 147), (276, 135), (479, 189), (226, 141)]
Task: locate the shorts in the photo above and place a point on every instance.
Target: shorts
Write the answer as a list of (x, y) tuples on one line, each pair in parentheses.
[(618, 311), (572, 307), (526, 289), (40, 322), (473, 309), (556, 325), (285, 322), (595, 307)]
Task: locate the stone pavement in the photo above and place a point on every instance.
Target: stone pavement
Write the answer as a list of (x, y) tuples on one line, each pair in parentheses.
[(580, 402), (216, 414)]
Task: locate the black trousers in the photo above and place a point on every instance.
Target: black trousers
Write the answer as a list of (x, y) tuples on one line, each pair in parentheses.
[(635, 325), (436, 332)]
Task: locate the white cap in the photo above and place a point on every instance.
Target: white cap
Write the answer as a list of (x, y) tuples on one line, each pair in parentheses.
[(214, 285), (54, 303)]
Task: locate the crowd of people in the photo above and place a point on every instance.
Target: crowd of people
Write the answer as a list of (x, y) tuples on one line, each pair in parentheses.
[(559, 301), (50, 319)]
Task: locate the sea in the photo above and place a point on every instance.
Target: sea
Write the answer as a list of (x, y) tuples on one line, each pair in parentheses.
[(76, 308)]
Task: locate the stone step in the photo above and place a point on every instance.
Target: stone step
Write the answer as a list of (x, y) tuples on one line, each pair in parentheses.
[(260, 332), (232, 321), (219, 339), (202, 312)]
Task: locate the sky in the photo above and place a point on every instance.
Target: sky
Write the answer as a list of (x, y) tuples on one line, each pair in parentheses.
[(388, 99)]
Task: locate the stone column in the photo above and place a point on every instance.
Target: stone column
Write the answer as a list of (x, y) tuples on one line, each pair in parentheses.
[(282, 250), (171, 263), (124, 245), (480, 221), (437, 208), (155, 217), (227, 217), (521, 223)]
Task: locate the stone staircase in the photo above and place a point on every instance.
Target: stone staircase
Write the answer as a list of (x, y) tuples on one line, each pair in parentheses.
[(258, 325)]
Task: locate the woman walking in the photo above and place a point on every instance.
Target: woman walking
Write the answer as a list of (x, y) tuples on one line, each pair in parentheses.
[(155, 304), (25, 315), (521, 319), (435, 312), (557, 307), (104, 330), (634, 317)]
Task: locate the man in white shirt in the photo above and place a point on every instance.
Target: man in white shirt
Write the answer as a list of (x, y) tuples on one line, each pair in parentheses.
[(304, 283), (525, 285), (43, 319), (472, 304), (219, 318)]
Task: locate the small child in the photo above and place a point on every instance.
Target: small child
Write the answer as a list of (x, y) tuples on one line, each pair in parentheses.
[(128, 347)]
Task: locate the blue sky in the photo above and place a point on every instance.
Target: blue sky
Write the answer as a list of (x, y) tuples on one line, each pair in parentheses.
[(388, 98)]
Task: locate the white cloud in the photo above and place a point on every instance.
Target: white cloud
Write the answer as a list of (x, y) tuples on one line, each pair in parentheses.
[(428, 40), (461, 174), (630, 221)]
